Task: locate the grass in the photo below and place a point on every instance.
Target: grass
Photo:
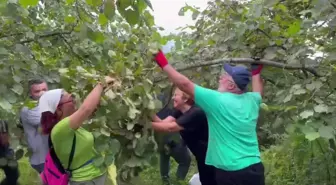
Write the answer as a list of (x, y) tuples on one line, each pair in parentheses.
[(151, 176)]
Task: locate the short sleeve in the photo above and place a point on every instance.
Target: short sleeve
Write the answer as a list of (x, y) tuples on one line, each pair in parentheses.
[(256, 97), (190, 120), (163, 113), (176, 113), (62, 131), (205, 98)]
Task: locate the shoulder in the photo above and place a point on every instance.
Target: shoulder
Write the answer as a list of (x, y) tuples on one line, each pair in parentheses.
[(253, 96), (196, 110), (61, 125), (175, 113), (201, 90)]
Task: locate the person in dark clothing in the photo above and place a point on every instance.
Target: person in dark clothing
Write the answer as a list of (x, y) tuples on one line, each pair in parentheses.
[(193, 128), (7, 155), (171, 145)]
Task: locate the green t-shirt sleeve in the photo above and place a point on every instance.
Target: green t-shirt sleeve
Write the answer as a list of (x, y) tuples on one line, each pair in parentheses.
[(256, 97), (62, 131), (205, 98)]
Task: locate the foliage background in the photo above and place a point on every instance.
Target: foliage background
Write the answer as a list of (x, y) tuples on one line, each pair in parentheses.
[(72, 43)]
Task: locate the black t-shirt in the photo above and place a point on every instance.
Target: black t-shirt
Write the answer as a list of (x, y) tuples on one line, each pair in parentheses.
[(168, 138), (195, 132)]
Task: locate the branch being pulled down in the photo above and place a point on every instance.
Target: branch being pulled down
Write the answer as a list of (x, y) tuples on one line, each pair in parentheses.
[(307, 68)]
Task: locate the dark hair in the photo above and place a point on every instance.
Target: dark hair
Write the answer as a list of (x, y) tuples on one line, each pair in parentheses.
[(35, 82), (48, 121)]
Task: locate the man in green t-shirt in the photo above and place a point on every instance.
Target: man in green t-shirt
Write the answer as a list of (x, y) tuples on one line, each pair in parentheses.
[(232, 115)]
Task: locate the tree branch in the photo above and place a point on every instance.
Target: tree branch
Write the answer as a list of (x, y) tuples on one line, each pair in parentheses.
[(46, 35), (308, 68)]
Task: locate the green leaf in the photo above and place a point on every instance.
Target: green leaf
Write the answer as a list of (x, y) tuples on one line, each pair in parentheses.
[(4, 104), (314, 85), (195, 15), (312, 136), (98, 161), (3, 51), (18, 89), (151, 105), (257, 9), (19, 154), (70, 1), (326, 132), (26, 3), (149, 4), (132, 17), (300, 91), (111, 53), (130, 126), (102, 20), (288, 98), (306, 114), (109, 160), (294, 28), (321, 108), (114, 146), (110, 94), (181, 12), (109, 9)]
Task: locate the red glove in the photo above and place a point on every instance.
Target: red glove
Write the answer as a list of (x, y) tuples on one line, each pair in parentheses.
[(161, 59), (256, 68)]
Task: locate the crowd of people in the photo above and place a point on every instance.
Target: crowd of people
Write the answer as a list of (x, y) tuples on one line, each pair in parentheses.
[(217, 126)]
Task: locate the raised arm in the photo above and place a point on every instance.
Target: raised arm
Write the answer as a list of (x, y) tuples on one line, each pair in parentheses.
[(181, 81), (257, 83), (90, 104)]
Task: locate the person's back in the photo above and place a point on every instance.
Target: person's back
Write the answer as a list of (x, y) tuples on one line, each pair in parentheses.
[(233, 130), (37, 142)]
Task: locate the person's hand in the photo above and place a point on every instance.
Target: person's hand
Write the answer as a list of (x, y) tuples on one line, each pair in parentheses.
[(256, 68), (160, 59), (111, 82)]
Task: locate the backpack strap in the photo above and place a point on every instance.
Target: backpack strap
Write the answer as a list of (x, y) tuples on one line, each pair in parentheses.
[(71, 156), (72, 153), (56, 159)]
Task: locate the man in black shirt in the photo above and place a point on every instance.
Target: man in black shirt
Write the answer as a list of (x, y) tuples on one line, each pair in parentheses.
[(170, 145), (193, 128)]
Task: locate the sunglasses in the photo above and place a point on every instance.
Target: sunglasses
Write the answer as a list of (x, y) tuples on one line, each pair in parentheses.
[(70, 100)]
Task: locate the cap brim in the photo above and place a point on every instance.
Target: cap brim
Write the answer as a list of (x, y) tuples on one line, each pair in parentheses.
[(228, 68)]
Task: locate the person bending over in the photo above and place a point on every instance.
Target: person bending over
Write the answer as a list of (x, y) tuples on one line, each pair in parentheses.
[(232, 118), (193, 127)]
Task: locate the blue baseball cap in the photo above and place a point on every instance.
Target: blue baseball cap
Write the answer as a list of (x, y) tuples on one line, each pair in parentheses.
[(240, 75)]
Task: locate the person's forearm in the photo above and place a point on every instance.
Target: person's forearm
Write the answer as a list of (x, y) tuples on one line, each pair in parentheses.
[(92, 100), (257, 84), (181, 81), (166, 126)]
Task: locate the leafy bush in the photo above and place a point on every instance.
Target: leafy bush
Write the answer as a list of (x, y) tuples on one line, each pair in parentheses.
[(299, 161)]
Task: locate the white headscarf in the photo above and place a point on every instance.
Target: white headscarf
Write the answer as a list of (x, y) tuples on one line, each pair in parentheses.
[(50, 100)]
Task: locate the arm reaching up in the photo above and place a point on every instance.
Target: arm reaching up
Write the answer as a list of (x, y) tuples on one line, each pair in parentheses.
[(181, 81), (257, 83)]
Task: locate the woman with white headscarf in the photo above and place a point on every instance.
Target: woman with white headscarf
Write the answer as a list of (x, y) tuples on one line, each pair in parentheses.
[(61, 119)]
